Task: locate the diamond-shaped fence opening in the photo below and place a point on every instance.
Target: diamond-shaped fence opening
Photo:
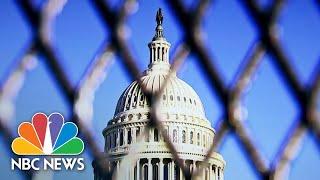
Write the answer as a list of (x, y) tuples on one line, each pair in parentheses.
[(41, 20)]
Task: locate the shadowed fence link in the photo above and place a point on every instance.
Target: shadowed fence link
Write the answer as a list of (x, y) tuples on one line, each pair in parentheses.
[(41, 22)]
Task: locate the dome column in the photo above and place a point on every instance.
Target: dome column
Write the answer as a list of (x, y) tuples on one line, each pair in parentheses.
[(161, 169), (115, 174), (138, 169), (181, 171), (118, 138), (210, 172), (133, 132), (172, 170), (149, 169), (125, 136), (216, 172), (203, 171), (221, 174), (194, 166), (131, 171)]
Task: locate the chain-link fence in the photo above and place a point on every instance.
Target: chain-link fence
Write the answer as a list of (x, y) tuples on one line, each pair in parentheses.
[(41, 20)]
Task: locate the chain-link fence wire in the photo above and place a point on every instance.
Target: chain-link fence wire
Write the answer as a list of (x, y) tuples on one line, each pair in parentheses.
[(41, 20)]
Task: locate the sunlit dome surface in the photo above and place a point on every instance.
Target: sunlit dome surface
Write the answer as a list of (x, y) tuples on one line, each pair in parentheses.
[(178, 97)]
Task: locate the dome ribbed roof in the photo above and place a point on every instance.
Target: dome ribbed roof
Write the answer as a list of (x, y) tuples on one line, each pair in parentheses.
[(177, 98)]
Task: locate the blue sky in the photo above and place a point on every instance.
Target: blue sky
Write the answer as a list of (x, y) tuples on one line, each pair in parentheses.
[(229, 33)]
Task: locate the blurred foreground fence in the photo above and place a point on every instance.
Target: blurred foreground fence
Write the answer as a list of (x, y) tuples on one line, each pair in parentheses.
[(189, 19)]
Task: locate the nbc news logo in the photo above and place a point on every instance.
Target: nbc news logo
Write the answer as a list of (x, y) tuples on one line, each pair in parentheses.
[(47, 136)]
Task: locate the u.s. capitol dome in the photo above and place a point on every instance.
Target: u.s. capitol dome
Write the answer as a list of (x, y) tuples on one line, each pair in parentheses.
[(183, 118)]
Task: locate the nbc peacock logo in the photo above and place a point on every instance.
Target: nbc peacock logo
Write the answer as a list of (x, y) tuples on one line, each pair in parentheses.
[(47, 136)]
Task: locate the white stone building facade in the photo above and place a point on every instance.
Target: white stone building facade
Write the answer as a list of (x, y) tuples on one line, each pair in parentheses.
[(183, 118)]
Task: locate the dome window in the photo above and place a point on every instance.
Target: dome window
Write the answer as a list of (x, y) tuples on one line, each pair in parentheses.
[(194, 102), (171, 98), (166, 134), (191, 137), (155, 171), (190, 101), (158, 54), (156, 135), (129, 136), (183, 136), (164, 97), (145, 172), (115, 137), (121, 138), (198, 139), (178, 98), (175, 138), (185, 99), (148, 115), (146, 137)]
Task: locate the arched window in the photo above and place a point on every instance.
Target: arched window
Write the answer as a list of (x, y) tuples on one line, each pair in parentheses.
[(121, 137), (158, 54), (129, 136), (183, 136), (198, 139), (176, 175), (164, 97), (163, 54), (115, 137), (204, 140), (166, 133), (166, 172), (154, 54), (175, 138), (110, 142), (155, 172), (150, 55), (130, 116), (145, 172), (155, 135), (171, 98), (191, 137), (146, 137)]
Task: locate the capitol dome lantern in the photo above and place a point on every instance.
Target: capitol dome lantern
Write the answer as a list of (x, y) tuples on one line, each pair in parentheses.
[(184, 121)]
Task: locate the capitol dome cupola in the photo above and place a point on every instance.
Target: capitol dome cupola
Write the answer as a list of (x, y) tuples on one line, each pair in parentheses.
[(159, 47), (178, 98)]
